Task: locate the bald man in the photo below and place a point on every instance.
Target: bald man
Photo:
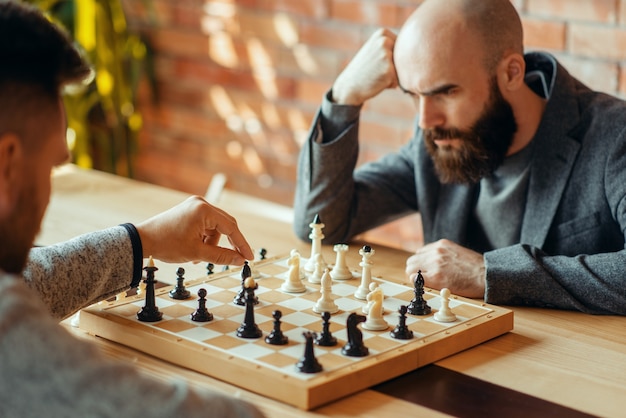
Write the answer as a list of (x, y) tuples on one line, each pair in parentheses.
[(517, 169)]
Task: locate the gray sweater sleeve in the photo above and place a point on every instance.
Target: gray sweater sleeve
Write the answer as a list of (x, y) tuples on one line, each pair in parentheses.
[(44, 371), (76, 273)]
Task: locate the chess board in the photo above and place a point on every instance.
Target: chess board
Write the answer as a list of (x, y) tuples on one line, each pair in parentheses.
[(214, 349)]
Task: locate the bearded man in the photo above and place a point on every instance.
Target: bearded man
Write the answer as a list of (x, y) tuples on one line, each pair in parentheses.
[(517, 169)]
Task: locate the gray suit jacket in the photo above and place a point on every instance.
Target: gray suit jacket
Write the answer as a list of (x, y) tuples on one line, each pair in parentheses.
[(571, 253)]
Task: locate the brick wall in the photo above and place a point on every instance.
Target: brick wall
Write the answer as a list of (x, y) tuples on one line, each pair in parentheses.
[(239, 81)]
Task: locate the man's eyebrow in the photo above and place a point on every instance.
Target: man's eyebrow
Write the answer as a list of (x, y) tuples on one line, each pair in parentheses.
[(437, 90)]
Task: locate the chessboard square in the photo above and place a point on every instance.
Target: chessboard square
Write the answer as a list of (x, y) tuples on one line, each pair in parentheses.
[(275, 296), (295, 348), (317, 326), (225, 282), (268, 310), (349, 305), (201, 333), (252, 351), (126, 310), (228, 310), (270, 282), (278, 359), (343, 289), (224, 296), (298, 304), (272, 269), (393, 289), (300, 319), (312, 294), (268, 326), (406, 296), (224, 326), (379, 344), (225, 342), (333, 361), (468, 311), (210, 289), (173, 325), (176, 311), (427, 326)]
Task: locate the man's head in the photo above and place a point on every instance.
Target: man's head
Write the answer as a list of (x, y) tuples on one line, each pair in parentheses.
[(37, 61), (461, 60)]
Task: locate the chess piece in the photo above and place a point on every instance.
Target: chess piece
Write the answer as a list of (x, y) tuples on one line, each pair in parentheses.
[(249, 328), (418, 306), (179, 292), (326, 339), (340, 270), (121, 296), (209, 268), (293, 283), (366, 275), (326, 303), (366, 308), (262, 253), (402, 331), (276, 336), (150, 312), (316, 237), (354, 347), (240, 298), (320, 266), (308, 363), (202, 314), (445, 313), (375, 320)]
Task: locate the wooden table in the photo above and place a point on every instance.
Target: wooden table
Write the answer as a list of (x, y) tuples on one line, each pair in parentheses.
[(569, 359)]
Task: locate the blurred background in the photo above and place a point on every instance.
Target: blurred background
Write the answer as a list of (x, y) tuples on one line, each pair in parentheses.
[(186, 89)]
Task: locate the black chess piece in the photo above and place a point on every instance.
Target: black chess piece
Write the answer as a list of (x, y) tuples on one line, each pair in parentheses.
[(202, 314), (262, 253), (326, 339), (248, 328), (308, 363), (209, 268), (276, 336), (150, 312), (240, 298), (179, 292), (418, 305), (355, 347), (401, 331)]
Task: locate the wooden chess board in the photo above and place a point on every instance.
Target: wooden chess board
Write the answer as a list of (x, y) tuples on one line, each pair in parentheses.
[(213, 348)]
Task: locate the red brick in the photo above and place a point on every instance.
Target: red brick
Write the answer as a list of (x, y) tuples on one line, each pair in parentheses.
[(369, 12), (312, 91), (331, 34), (621, 90), (598, 75), (544, 34), (597, 41), (585, 10), (311, 8)]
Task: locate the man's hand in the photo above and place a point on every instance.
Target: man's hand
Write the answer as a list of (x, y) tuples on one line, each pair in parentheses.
[(446, 264), (370, 71), (191, 231)]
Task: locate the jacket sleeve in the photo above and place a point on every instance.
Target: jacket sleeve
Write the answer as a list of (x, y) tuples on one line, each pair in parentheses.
[(349, 202), (71, 275)]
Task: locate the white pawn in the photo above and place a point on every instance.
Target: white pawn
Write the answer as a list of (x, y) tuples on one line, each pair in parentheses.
[(316, 236), (120, 296), (326, 302), (375, 320), (340, 271), (445, 313), (366, 274), (320, 266), (366, 308), (293, 284)]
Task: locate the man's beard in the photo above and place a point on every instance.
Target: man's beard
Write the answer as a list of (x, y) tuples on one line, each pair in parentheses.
[(18, 233), (483, 147)]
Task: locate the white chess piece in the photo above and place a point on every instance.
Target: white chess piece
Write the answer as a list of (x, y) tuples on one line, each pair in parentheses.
[(316, 236), (366, 274), (320, 266), (444, 314), (120, 296), (326, 302), (293, 283), (375, 320), (366, 308), (340, 271)]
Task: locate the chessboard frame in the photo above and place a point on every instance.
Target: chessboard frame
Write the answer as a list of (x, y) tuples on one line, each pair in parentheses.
[(304, 394)]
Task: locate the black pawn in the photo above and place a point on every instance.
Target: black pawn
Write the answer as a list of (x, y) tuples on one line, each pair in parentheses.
[(209, 268), (355, 347), (262, 253), (150, 312), (401, 331), (240, 298), (308, 363), (418, 305), (326, 339), (276, 336), (249, 329), (179, 292), (202, 314)]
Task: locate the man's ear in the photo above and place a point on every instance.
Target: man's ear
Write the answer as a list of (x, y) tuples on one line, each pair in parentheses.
[(511, 72), (11, 163)]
